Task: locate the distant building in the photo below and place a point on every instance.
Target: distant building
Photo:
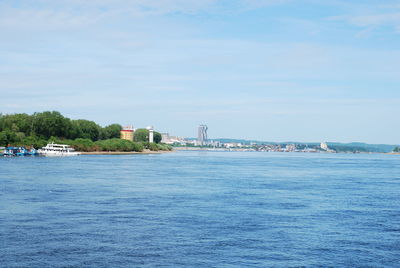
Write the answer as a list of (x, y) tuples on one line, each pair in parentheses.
[(215, 143), (127, 133), (167, 139), (233, 145), (202, 135), (151, 133), (324, 146), (290, 148)]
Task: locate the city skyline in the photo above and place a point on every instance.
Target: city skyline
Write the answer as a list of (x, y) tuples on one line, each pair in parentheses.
[(273, 70)]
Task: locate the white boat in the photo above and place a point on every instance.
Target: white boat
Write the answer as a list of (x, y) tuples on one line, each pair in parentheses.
[(53, 149)]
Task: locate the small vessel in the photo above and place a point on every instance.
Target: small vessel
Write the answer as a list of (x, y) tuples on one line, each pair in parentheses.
[(15, 151), (19, 151), (53, 149), (10, 151), (32, 151)]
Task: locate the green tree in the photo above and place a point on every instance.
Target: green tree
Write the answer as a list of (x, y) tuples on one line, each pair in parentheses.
[(157, 137), (1, 122), (34, 141), (49, 124), (20, 136), (8, 137), (85, 129), (3, 138), (111, 131), (83, 145), (118, 145), (16, 123), (141, 135)]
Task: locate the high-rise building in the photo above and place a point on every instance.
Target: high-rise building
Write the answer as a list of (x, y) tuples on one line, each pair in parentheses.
[(202, 135)]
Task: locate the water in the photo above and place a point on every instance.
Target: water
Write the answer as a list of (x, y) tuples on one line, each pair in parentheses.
[(194, 209)]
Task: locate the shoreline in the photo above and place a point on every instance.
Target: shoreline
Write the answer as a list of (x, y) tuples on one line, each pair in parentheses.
[(124, 153), (205, 149)]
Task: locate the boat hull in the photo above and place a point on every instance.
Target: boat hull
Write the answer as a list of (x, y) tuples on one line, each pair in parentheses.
[(53, 153)]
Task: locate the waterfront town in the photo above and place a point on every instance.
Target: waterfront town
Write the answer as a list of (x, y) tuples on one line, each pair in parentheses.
[(203, 142), (23, 134)]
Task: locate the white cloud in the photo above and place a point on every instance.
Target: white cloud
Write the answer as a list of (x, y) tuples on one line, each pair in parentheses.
[(65, 14), (261, 3), (46, 19), (371, 17), (389, 19)]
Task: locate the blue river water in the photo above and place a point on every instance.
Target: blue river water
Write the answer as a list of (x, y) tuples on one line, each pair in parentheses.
[(201, 209)]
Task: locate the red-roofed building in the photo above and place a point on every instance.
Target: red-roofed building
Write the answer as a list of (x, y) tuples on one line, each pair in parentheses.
[(127, 133)]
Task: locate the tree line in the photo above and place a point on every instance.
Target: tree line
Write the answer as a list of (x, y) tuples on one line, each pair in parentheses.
[(40, 128)]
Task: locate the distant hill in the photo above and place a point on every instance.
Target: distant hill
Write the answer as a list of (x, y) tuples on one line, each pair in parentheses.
[(361, 147), (243, 141)]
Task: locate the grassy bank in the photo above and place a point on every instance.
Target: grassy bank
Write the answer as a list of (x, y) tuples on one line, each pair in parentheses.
[(113, 145), (87, 145)]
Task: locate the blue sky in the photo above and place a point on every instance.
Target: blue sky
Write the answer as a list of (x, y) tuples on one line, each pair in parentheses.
[(275, 70)]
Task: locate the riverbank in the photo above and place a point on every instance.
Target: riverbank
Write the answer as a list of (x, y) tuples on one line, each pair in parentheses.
[(210, 149), (124, 153), (213, 149)]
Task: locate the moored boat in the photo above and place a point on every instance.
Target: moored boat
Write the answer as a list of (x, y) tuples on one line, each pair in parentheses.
[(53, 149), (10, 151), (32, 151), (15, 151)]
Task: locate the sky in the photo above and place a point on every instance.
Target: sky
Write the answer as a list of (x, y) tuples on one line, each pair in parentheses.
[(272, 70)]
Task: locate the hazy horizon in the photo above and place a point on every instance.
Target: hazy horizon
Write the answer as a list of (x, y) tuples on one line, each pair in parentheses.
[(268, 70)]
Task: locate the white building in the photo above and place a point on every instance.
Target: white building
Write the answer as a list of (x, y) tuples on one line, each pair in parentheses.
[(167, 139), (324, 146), (151, 133)]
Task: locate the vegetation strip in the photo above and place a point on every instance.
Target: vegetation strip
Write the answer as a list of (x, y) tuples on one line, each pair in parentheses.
[(38, 129)]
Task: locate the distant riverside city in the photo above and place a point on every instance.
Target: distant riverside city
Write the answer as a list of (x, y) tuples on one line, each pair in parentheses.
[(127, 133), (202, 141), (21, 134)]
